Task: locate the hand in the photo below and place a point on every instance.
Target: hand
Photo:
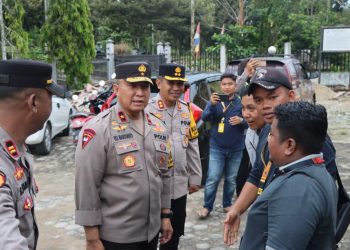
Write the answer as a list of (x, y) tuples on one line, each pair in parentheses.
[(166, 231), (231, 227), (192, 188), (214, 98), (251, 66), (235, 120), (94, 245)]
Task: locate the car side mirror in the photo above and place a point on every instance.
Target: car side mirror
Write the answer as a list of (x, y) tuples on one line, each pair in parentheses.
[(313, 75)]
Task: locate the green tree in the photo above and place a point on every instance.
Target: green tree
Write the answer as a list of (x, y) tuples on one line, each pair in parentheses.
[(68, 35), (15, 36)]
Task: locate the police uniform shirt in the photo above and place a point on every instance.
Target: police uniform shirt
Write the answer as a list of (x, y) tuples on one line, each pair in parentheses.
[(184, 149), (18, 228), (122, 179)]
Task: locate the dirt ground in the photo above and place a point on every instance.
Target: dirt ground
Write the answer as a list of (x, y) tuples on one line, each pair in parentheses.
[(338, 109)]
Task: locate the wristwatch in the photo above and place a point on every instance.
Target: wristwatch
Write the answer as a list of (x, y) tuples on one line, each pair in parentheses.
[(166, 215)]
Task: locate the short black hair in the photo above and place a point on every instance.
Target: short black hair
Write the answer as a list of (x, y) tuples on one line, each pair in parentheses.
[(306, 123), (243, 90), (9, 92), (228, 75)]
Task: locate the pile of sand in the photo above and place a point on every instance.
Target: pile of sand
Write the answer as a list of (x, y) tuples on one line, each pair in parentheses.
[(323, 92)]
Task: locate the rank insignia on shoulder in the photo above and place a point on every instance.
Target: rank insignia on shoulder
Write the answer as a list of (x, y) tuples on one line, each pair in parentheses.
[(179, 106), (122, 116), (28, 203), (88, 134), (19, 173), (161, 104), (2, 179), (11, 149), (129, 161)]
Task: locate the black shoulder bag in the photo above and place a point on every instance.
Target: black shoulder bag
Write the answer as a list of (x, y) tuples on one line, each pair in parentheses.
[(343, 211)]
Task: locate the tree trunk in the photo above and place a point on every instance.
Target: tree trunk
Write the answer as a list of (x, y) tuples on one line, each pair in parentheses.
[(241, 13), (2, 30)]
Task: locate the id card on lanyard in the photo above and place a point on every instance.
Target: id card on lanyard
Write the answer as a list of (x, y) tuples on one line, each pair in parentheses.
[(221, 126)]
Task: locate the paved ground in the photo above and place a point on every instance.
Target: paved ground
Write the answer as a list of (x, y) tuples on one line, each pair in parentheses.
[(55, 204)]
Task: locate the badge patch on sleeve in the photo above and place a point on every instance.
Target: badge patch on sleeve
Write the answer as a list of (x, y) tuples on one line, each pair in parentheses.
[(88, 134), (2, 179)]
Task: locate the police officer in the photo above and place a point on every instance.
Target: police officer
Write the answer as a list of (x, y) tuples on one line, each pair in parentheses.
[(26, 88), (175, 114), (122, 182)]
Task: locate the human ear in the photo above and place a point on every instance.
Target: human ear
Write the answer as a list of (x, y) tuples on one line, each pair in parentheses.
[(115, 89), (32, 102), (291, 95), (158, 82), (290, 146)]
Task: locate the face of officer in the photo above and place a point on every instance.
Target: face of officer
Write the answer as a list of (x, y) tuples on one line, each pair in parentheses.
[(133, 97), (267, 100), (228, 86), (170, 91), (250, 113)]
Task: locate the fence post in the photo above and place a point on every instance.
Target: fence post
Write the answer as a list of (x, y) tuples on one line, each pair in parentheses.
[(160, 48), (167, 52), (222, 58), (110, 57), (287, 49)]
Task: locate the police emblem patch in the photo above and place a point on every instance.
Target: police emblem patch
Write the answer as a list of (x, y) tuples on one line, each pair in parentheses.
[(261, 73), (142, 69), (88, 134), (28, 203), (129, 161), (19, 173), (161, 161), (2, 179)]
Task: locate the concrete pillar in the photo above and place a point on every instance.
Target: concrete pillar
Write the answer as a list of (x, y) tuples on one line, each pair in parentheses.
[(167, 52), (110, 57), (160, 48), (223, 60)]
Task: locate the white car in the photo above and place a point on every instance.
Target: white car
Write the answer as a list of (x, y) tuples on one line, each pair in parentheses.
[(58, 122)]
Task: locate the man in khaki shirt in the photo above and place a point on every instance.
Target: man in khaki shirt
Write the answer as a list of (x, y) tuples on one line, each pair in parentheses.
[(187, 172), (26, 89), (122, 178)]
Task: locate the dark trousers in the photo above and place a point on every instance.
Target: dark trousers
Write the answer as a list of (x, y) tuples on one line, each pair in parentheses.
[(142, 245), (243, 172), (178, 207)]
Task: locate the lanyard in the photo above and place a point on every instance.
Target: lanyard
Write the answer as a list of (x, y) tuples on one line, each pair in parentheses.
[(265, 173), (224, 107)]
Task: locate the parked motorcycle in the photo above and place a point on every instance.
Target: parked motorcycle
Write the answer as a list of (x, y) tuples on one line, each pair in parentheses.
[(96, 104)]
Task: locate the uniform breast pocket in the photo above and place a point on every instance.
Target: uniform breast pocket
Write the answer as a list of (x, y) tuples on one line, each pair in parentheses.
[(128, 156), (162, 153)]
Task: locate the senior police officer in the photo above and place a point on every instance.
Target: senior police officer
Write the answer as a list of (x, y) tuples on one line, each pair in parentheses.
[(175, 114), (26, 88), (122, 177)]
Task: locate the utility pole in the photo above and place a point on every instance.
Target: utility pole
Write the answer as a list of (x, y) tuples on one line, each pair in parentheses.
[(3, 38), (192, 24)]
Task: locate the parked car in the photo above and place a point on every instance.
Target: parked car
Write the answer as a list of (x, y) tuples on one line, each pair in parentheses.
[(200, 87), (58, 123), (295, 71)]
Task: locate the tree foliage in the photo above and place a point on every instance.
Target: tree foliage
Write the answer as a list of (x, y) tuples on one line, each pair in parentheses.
[(16, 37), (68, 35)]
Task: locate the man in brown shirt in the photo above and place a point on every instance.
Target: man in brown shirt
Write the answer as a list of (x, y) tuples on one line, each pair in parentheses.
[(122, 177)]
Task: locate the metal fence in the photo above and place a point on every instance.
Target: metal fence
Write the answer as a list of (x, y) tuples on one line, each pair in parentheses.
[(210, 61), (153, 60)]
